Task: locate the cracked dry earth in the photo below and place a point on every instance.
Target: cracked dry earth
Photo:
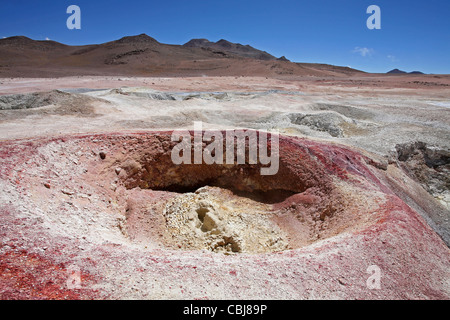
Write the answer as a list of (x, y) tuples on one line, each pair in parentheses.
[(92, 205)]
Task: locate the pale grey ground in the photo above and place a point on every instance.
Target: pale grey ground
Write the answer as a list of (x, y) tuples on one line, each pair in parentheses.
[(379, 124)]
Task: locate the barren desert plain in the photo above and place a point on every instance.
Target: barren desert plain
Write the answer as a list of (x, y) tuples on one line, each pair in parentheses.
[(92, 207)]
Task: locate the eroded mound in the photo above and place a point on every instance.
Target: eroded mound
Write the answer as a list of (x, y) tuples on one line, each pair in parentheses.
[(430, 166), (42, 104)]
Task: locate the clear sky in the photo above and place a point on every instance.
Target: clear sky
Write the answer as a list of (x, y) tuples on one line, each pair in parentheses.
[(414, 35)]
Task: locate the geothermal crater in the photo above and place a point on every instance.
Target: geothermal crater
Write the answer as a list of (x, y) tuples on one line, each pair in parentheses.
[(122, 198), (225, 208), (231, 208)]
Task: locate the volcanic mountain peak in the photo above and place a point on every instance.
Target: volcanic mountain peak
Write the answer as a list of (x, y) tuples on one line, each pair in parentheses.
[(238, 49), (22, 42), (195, 43), (202, 42), (283, 58), (141, 38), (17, 39), (143, 55), (397, 71), (226, 44)]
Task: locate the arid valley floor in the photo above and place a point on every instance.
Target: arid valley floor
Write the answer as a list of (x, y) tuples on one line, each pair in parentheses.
[(92, 207)]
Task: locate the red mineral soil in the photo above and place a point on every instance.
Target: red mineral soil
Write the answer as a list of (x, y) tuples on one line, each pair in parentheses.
[(136, 225)]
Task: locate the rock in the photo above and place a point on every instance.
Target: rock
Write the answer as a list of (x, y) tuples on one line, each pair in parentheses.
[(68, 192)]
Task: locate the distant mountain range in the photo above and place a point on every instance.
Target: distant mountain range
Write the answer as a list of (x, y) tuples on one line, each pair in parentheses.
[(397, 71), (142, 55), (234, 48)]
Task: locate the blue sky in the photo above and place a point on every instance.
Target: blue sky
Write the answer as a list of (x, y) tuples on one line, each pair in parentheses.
[(414, 35)]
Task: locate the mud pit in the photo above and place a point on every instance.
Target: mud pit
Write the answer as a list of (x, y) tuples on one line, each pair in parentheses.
[(229, 208), (222, 208), (119, 197)]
